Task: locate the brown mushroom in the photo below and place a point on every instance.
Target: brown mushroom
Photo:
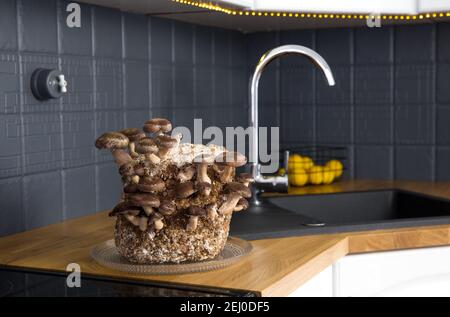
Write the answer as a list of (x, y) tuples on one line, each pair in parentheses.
[(139, 170), (133, 135), (194, 212), (126, 169), (125, 207), (211, 211), (241, 205), (157, 221), (167, 207), (148, 148), (229, 161), (245, 178), (184, 190), (115, 142), (157, 126), (151, 184), (186, 173), (130, 188), (147, 201), (239, 188), (230, 202), (202, 161), (203, 188), (165, 143)]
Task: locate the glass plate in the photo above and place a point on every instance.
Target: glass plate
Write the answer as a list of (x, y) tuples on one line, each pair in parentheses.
[(106, 254)]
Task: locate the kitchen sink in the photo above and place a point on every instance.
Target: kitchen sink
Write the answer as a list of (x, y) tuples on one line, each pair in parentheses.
[(340, 212)]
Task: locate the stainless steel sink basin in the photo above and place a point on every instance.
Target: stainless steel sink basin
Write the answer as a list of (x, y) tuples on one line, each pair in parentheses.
[(341, 212)]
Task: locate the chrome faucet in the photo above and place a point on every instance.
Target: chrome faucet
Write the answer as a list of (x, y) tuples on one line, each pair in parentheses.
[(274, 183)]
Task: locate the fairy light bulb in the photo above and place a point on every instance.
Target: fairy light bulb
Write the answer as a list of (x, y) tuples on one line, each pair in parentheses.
[(231, 11)]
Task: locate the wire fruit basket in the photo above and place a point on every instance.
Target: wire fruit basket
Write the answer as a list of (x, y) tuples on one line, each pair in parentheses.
[(315, 165)]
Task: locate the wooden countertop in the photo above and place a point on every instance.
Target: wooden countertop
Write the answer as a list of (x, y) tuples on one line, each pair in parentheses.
[(275, 267)]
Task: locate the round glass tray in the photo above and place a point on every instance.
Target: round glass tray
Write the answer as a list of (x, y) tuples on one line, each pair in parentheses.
[(107, 255)]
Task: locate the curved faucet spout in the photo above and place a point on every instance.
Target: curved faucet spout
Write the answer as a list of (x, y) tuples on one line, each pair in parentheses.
[(254, 83)]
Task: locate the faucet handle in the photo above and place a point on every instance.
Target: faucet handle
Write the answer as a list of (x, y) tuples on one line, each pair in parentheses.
[(286, 161)]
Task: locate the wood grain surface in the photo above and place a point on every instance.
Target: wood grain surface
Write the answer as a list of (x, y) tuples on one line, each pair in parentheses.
[(275, 267)]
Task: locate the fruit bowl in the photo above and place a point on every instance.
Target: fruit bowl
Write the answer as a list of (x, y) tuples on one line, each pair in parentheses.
[(317, 165)]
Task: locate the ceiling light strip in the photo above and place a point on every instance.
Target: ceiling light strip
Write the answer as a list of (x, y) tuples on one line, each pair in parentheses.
[(230, 11)]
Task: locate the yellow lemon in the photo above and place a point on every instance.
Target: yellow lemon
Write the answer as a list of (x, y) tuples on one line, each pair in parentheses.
[(328, 175), (281, 171), (316, 175), (295, 161), (298, 178), (336, 167), (307, 163)]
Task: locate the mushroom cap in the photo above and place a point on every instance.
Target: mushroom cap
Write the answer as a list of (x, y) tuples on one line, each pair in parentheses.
[(143, 199), (133, 134), (196, 211), (245, 177), (167, 207), (156, 125), (186, 173), (229, 203), (124, 207), (156, 216), (151, 184), (126, 169), (184, 190), (111, 140), (233, 159), (130, 188), (244, 203), (166, 141), (238, 188), (146, 146)]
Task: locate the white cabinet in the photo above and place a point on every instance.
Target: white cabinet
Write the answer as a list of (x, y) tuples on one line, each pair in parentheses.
[(415, 272), (319, 286)]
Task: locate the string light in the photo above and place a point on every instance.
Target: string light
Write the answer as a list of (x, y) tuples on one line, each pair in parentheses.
[(298, 15)]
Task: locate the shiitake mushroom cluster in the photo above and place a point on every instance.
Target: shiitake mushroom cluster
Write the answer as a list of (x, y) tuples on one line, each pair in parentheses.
[(155, 189)]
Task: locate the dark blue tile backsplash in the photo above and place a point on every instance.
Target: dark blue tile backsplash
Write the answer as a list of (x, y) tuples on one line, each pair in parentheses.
[(390, 107)]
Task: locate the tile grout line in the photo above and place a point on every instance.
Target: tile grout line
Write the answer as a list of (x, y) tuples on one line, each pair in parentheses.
[(95, 106), (21, 111), (434, 175), (61, 125), (392, 88), (149, 66), (123, 68), (352, 104)]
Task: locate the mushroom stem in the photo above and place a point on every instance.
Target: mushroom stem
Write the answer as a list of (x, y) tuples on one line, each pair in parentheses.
[(158, 223), (134, 220), (148, 210), (143, 222), (153, 158), (211, 211), (192, 224), (229, 204), (227, 174), (202, 173), (135, 179), (132, 150)]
